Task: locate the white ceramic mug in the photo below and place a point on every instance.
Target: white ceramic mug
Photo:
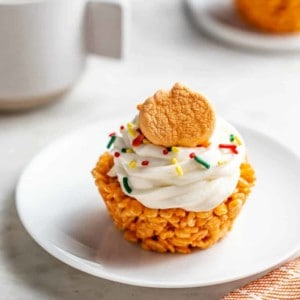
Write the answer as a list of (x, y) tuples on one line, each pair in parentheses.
[(44, 45)]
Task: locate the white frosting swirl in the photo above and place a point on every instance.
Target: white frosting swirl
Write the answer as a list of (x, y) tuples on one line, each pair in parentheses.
[(159, 185)]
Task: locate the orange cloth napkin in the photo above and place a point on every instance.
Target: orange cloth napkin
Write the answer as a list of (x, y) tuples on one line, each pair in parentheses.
[(282, 283)]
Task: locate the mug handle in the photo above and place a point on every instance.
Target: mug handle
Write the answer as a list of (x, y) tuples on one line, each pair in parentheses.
[(107, 22)]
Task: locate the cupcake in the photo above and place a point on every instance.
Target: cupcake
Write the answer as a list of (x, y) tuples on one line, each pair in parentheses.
[(272, 16), (176, 177)]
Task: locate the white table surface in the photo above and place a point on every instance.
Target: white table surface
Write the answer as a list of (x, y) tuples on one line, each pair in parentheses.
[(251, 88)]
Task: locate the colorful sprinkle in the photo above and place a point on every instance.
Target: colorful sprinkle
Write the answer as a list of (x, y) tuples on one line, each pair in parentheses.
[(192, 155), (122, 128), (130, 129), (117, 154), (127, 188), (175, 149), (145, 163), (178, 168), (231, 147), (201, 162), (227, 146), (238, 141), (174, 161), (235, 138), (179, 171), (138, 140), (127, 150), (132, 164), (165, 152), (131, 132), (222, 162), (111, 141), (112, 134)]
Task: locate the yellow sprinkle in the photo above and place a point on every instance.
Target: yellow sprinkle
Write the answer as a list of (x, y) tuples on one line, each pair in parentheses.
[(222, 162), (174, 161), (130, 125), (175, 149), (238, 141), (132, 164), (131, 132), (179, 171), (128, 150), (130, 129)]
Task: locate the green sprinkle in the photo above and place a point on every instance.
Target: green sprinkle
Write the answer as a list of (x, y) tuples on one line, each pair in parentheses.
[(111, 141), (201, 162), (123, 150), (126, 185), (231, 138)]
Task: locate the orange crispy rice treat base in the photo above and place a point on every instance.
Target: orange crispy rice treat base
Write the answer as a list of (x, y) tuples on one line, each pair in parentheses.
[(169, 230), (277, 16)]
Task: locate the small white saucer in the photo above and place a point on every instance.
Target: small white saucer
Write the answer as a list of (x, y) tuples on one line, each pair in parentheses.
[(60, 207), (219, 19)]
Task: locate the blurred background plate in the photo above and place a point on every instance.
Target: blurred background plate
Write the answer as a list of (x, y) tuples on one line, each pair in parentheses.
[(219, 19)]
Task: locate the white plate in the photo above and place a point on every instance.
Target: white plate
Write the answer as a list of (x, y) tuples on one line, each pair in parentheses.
[(59, 205), (219, 19)]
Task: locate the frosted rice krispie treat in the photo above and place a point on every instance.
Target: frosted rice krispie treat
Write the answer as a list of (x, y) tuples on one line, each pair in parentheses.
[(176, 176)]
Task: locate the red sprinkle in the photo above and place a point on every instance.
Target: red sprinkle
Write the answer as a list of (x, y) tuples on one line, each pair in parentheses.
[(138, 140), (229, 146), (145, 163), (122, 127), (112, 134), (117, 154), (165, 151), (192, 155)]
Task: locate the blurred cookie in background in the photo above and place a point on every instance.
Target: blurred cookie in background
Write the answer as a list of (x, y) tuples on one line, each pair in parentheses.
[(274, 16)]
